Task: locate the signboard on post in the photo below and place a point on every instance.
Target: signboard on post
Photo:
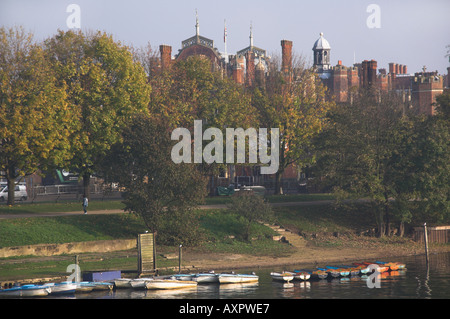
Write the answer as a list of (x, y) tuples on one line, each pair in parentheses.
[(146, 253)]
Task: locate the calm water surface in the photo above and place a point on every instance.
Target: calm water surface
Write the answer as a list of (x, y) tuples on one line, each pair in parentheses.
[(417, 282)]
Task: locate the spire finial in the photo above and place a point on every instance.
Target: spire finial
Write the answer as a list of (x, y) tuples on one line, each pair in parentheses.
[(251, 34), (197, 26)]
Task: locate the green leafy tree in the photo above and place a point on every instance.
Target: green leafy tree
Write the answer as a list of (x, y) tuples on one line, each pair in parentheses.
[(251, 207), (357, 151), (376, 149), (105, 88), (443, 105), (35, 119), (164, 194)]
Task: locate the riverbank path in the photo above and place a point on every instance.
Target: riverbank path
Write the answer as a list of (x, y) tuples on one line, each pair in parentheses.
[(120, 211)]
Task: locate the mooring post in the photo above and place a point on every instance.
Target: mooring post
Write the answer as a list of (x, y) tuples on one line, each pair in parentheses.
[(179, 259), (77, 267), (425, 234)]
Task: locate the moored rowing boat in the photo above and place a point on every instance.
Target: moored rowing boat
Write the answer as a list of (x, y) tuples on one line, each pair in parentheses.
[(122, 283), (393, 266), (139, 283), (84, 286), (368, 265), (26, 291), (102, 285), (284, 277), (237, 278), (62, 288), (354, 270), (157, 284), (331, 272), (314, 273), (300, 275), (206, 278), (343, 272), (183, 277)]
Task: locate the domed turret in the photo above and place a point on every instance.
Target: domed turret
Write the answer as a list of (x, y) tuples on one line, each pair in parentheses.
[(321, 43), (322, 50)]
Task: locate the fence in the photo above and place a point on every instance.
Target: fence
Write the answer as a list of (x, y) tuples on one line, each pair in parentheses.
[(439, 234)]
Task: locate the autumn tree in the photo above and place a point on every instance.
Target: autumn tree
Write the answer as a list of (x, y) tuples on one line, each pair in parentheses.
[(35, 119), (190, 90), (295, 103), (105, 87)]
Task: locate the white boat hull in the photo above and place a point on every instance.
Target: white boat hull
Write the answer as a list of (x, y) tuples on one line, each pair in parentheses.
[(183, 277), (139, 283), (300, 275), (103, 285), (206, 278), (62, 288), (26, 291), (233, 279), (83, 287), (157, 284), (122, 283)]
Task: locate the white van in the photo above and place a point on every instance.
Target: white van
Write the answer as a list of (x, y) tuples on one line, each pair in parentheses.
[(20, 193)]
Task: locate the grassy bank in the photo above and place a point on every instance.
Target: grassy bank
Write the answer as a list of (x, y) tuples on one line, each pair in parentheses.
[(222, 235)]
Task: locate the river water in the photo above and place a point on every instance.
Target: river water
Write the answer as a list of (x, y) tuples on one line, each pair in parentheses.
[(417, 282)]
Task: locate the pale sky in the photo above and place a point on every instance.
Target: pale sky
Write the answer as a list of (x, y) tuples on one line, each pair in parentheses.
[(410, 32)]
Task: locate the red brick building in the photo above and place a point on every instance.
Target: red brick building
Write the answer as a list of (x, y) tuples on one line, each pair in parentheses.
[(420, 88), (249, 67)]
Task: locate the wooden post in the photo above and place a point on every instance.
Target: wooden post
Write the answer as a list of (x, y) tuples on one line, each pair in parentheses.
[(425, 234), (179, 259), (77, 268)]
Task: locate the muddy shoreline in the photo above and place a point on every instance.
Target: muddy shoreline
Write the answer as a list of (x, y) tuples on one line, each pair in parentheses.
[(309, 256)]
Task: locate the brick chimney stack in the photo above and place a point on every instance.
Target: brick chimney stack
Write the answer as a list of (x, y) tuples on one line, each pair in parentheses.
[(250, 59), (166, 56), (391, 68), (286, 60), (237, 71), (373, 72)]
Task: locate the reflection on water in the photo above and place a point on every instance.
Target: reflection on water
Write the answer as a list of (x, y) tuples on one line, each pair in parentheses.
[(417, 282)]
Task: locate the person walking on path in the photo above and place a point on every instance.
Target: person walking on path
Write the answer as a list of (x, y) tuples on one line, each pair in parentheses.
[(85, 204)]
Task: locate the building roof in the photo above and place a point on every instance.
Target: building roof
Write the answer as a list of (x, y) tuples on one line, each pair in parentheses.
[(321, 44)]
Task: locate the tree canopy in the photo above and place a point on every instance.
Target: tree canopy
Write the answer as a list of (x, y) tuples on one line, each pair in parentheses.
[(36, 121), (298, 108), (161, 192), (105, 87), (378, 149)]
